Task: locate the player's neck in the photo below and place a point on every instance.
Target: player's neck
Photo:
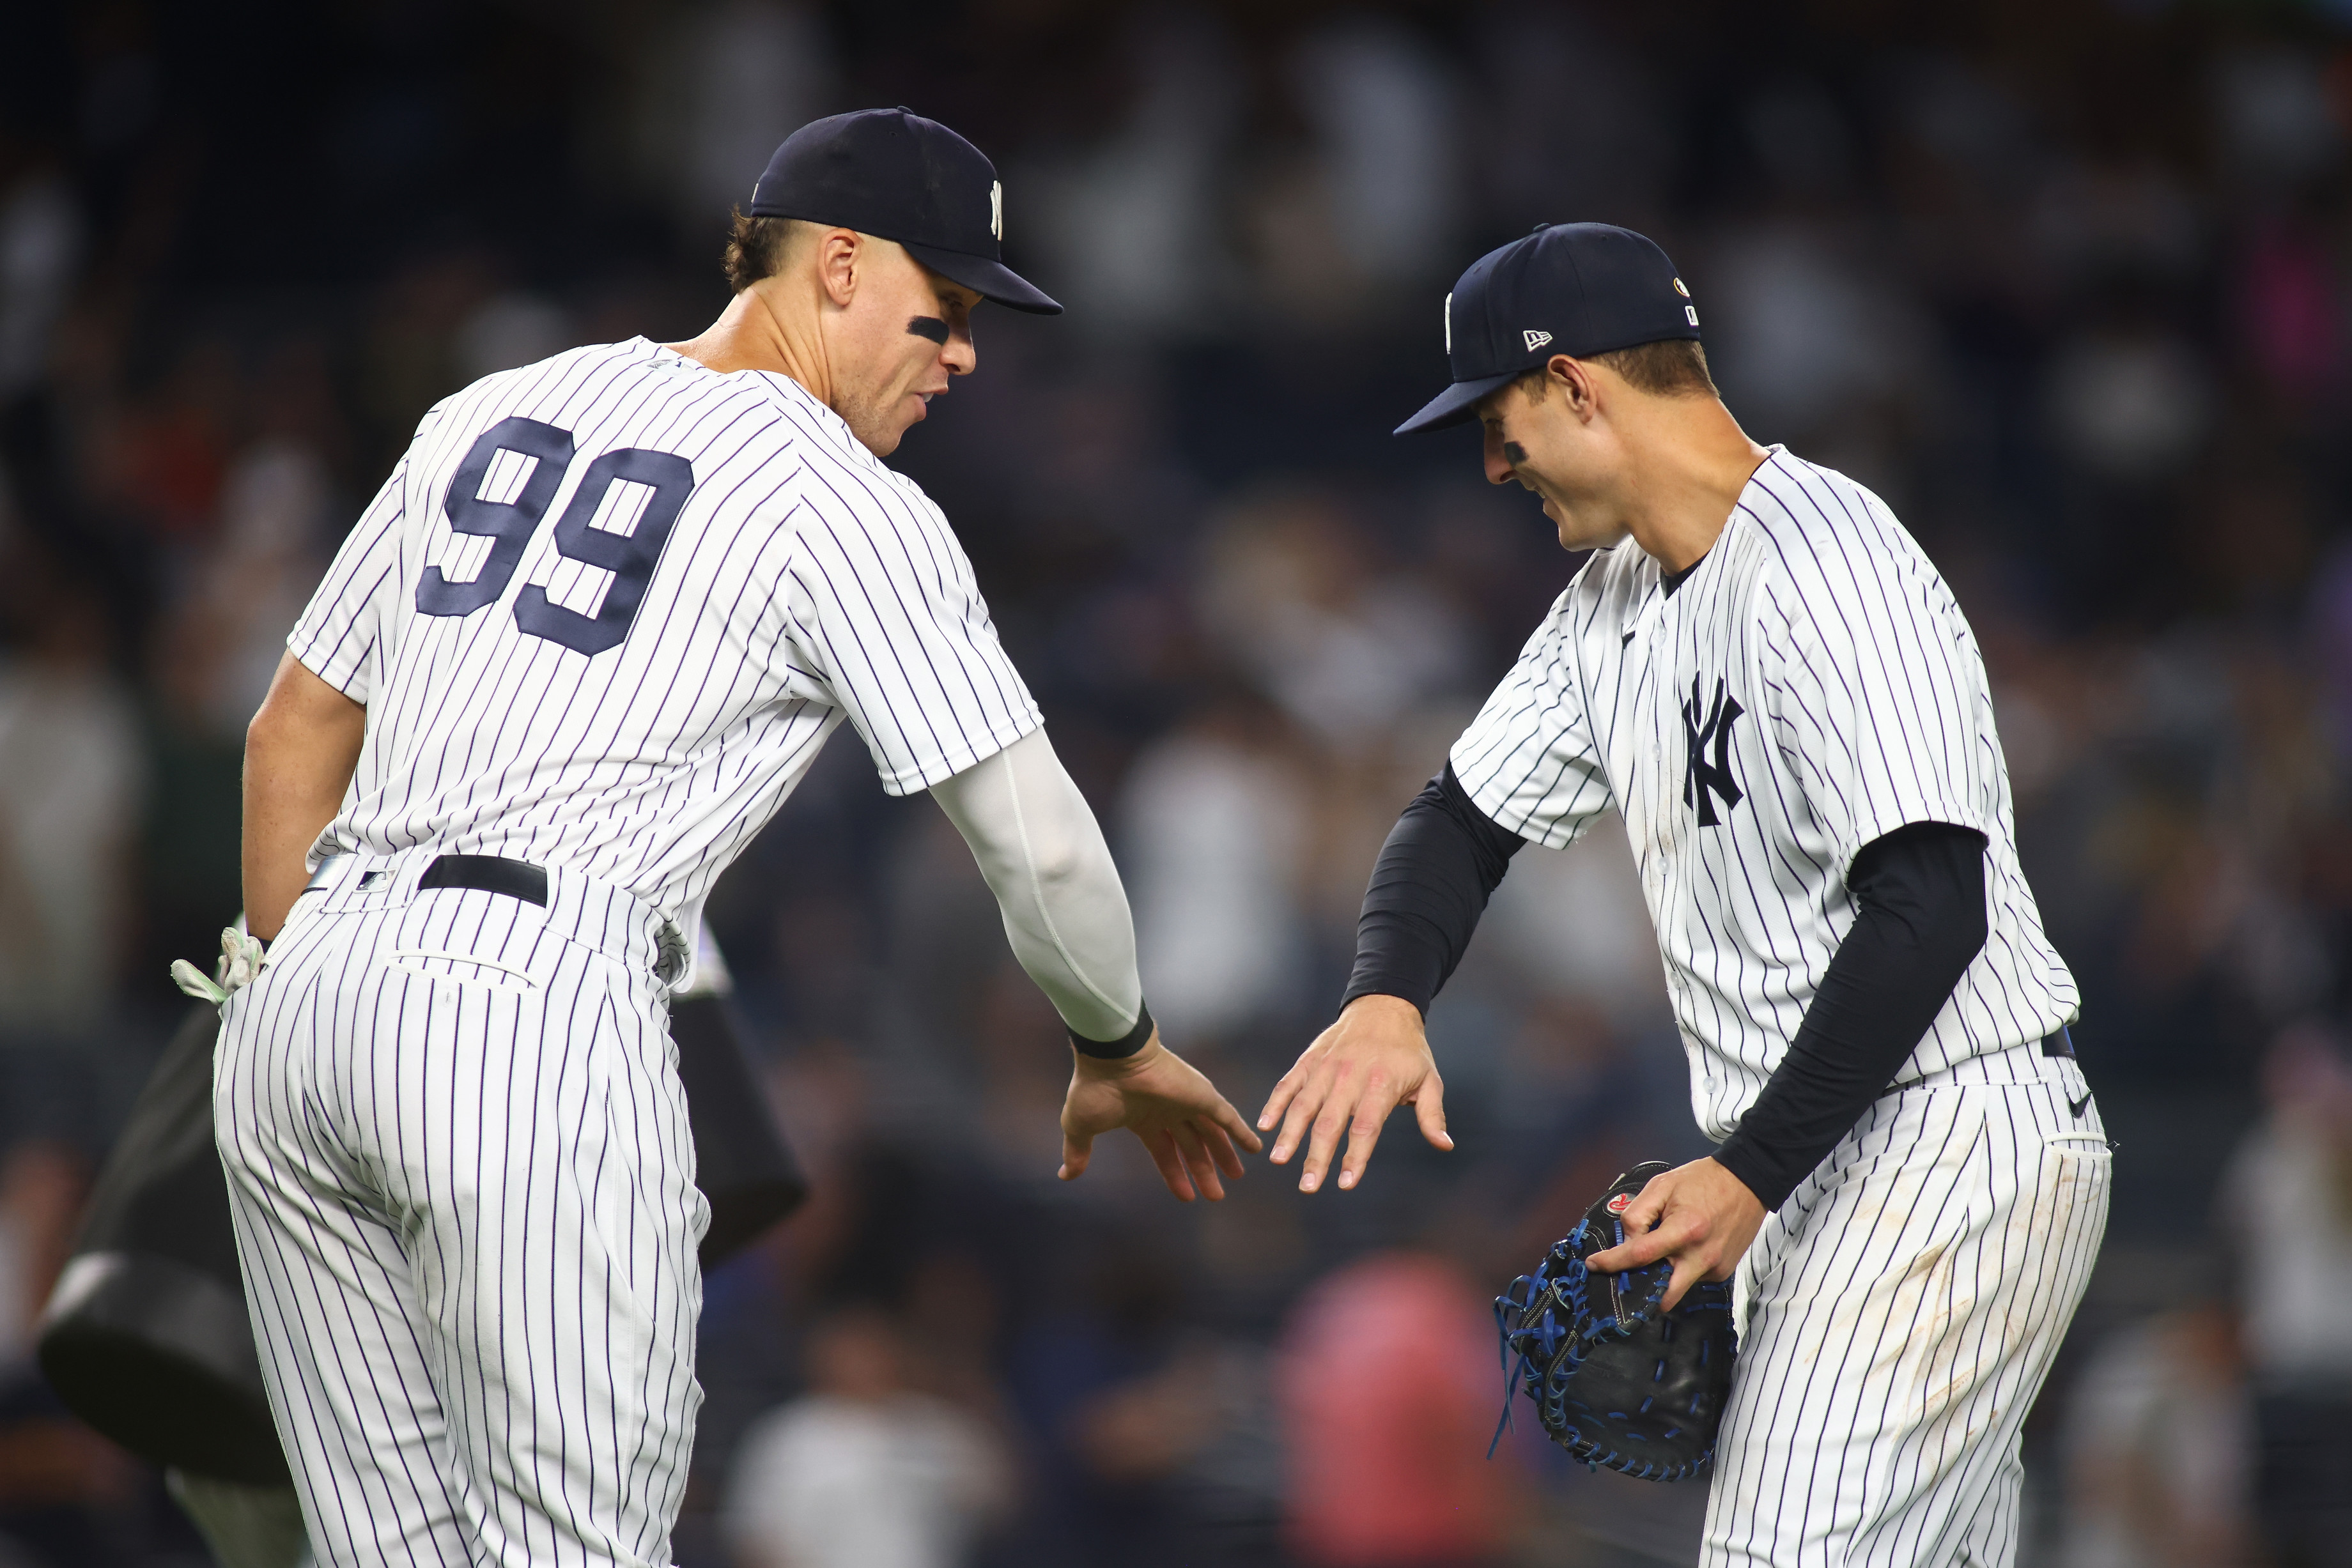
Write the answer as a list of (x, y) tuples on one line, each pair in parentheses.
[(1691, 461), (756, 333)]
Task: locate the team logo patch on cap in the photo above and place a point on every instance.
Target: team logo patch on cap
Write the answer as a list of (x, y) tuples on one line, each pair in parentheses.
[(996, 211), (1537, 339), (1680, 289)]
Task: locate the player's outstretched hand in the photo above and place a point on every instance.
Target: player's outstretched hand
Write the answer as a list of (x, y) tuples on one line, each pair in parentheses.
[(1189, 1127), (1700, 1214), (1374, 1057)]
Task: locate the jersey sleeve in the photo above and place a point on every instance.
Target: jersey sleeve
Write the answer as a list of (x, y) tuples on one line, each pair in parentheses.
[(1877, 692), (1529, 760), (338, 635), (886, 611)]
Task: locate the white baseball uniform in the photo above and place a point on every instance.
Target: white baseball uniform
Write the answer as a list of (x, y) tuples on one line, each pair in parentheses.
[(602, 617), (1810, 687)]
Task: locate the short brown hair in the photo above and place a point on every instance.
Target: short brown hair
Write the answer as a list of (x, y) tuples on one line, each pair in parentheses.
[(1671, 367), (759, 247)]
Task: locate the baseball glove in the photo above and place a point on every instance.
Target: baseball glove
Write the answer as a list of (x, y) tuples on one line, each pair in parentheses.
[(1617, 1382)]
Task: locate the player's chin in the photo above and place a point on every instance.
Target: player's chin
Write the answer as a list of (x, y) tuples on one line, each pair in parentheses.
[(886, 439)]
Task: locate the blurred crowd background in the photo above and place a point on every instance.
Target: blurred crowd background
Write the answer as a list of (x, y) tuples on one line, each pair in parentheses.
[(2069, 283)]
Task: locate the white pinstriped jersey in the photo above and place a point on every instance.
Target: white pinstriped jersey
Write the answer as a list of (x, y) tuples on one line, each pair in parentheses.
[(1812, 686), (609, 606)]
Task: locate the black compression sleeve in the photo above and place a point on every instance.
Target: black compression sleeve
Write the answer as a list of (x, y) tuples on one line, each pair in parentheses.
[(1921, 923), (1443, 861)]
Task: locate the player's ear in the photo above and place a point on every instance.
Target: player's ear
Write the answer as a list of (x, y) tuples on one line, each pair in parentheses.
[(837, 256), (1574, 378)]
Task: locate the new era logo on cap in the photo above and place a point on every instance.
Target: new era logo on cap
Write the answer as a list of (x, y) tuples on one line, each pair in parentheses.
[(1537, 339)]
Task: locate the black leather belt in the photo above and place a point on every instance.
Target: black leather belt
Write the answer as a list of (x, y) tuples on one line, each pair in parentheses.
[(2058, 1043), (488, 873)]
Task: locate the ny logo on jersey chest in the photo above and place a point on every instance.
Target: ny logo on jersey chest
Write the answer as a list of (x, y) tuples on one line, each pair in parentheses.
[(1705, 781)]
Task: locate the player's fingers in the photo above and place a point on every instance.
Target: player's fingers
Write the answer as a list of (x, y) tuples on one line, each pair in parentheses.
[(1372, 1108), (1649, 1204), (1305, 1105), (1428, 1110), (1162, 1149), (1284, 1093), (1198, 1164), (1639, 1248), (1689, 1272), (1220, 1140), (1633, 1254), (1077, 1149), (1682, 1233), (1236, 1132), (1339, 1105)]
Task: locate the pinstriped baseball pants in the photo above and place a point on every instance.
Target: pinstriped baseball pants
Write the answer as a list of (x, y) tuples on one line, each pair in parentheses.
[(1900, 1313), (463, 1185)]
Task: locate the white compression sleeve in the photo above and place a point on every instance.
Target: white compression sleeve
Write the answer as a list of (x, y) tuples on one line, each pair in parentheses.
[(1043, 855)]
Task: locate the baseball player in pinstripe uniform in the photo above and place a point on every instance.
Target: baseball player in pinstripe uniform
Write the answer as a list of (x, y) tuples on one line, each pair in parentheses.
[(590, 634), (1759, 670)]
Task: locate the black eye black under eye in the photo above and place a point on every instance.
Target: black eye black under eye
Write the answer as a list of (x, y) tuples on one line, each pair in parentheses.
[(929, 327)]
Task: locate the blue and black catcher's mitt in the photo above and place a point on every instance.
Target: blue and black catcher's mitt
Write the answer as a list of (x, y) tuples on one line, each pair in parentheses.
[(1617, 1382)]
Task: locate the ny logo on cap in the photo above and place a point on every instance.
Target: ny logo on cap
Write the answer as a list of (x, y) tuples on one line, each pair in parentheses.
[(996, 211), (1449, 323), (1536, 339)]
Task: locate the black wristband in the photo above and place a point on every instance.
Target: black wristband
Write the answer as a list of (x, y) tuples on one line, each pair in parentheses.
[(1128, 1044)]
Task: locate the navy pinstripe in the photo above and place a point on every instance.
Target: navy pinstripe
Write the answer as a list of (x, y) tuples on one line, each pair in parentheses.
[(463, 1186), (803, 583), (1865, 707), (459, 1156), (1904, 1304)]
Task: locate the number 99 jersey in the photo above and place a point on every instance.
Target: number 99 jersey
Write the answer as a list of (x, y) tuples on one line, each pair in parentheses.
[(609, 606)]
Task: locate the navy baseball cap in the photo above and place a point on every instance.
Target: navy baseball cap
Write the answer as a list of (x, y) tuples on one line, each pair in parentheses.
[(893, 174), (1567, 288)]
